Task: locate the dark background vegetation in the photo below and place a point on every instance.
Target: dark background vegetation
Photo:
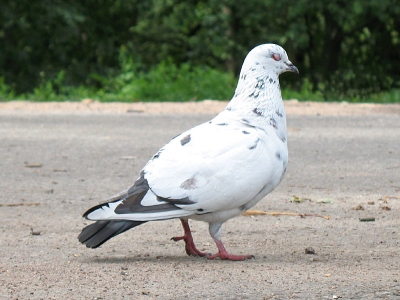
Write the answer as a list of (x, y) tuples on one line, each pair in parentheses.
[(66, 48)]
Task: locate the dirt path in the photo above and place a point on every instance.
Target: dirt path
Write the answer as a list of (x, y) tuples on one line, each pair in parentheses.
[(58, 159), (293, 107)]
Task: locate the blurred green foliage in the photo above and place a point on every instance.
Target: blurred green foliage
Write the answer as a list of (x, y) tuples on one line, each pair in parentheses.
[(183, 50)]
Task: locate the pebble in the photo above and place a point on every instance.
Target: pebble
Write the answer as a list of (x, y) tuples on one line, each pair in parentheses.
[(309, 250)]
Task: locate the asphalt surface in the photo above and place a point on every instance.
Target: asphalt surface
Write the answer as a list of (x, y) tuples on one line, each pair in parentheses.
[(55, 166)]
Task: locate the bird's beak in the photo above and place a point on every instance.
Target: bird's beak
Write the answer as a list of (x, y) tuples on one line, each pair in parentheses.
[(291, 67)]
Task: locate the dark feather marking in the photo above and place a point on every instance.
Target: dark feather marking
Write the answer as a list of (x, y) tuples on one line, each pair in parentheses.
[(245, 132), (175, 137), (222, 124), (278, 155), (139, 186), (100, 232), (200, 211), (260, 84), (183, 201), (257, 112), (265, 187), (273, 123), (279, 114), (189, 184), (245, 121), (228, 108), (245, 207), (283, 139), (255, 145), (264, 130), (283, 174), (157, 155), (90, 210), (132, 202), (185, 140)]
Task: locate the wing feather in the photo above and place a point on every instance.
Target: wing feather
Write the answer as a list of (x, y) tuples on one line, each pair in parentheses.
[(215, 166)]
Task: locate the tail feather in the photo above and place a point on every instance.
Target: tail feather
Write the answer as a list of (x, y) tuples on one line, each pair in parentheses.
[(100, 232)]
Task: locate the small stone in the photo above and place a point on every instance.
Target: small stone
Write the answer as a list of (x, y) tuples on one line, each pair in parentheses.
[(358, 207), (371, 203), (369, 219), (34, 232), (309, 250), (386, 208)]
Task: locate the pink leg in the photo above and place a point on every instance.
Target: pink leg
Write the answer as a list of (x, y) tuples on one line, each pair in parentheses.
[(190, 248), (223, 254)]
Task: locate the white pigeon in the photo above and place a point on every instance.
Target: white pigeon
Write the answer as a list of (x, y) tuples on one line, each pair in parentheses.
[(214, 171)]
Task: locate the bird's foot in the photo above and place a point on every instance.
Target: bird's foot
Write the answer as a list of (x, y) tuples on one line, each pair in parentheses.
[(190, 247), (223, 254)]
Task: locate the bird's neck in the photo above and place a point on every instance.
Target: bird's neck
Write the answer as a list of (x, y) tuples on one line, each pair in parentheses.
[(258, 98)]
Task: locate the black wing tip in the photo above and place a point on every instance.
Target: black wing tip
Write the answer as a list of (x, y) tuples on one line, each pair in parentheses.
[(96, 234)]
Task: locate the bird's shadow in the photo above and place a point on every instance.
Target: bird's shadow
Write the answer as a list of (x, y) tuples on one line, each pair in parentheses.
[(164, 260)]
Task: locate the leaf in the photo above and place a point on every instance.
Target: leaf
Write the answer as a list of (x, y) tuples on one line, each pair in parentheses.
[(298, 199)]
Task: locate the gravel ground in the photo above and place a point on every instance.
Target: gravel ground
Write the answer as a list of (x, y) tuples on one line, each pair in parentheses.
[(58, 159)]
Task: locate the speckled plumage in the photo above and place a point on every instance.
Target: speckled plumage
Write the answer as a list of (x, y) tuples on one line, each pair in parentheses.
[(214, 171)]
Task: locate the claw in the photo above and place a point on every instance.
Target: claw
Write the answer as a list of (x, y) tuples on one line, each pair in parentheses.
[(223, 254), (177, 238)]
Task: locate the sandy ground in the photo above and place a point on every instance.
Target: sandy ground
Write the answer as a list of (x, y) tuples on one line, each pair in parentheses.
[(58, 159), (292, 107)]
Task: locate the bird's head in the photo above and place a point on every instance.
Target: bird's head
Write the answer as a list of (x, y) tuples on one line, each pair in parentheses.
[(270, 57)]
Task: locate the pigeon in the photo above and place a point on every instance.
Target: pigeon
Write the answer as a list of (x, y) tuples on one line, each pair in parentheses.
[(214, 171)]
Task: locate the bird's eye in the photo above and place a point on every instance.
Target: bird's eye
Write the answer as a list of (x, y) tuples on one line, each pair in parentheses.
[(276, 56)]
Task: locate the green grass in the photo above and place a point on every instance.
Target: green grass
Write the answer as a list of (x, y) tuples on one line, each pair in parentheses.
[(165, 82)]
